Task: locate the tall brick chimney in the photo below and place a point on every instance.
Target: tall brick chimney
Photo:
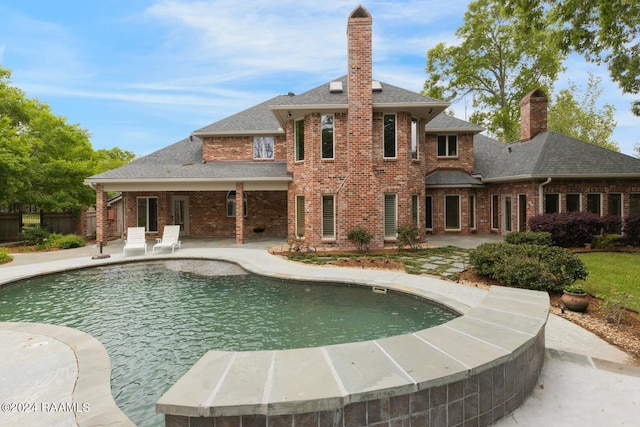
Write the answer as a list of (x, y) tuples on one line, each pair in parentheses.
[(533, 114), (360, 102)]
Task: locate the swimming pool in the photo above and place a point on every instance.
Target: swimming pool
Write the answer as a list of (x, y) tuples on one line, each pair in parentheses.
[(157, 319)]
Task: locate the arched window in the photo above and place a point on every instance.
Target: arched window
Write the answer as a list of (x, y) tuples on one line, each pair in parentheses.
[(231, 203)]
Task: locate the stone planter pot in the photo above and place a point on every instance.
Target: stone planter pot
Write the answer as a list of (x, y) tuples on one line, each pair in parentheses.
[(575, 302)]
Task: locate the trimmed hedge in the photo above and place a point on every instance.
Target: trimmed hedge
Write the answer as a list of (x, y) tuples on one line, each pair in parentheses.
[(569, 230), (537, 267), (632, 230), (66, 241), (532, 237)]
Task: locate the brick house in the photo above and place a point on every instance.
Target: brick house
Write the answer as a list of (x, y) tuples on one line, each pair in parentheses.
[(356, 152)]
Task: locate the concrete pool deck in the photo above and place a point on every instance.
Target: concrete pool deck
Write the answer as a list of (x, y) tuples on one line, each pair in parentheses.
[(584, 380)]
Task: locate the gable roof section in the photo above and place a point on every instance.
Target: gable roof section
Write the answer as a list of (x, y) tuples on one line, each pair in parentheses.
[(257, 120), (182, 163), (447, 123), (390, 98), (550, 154)]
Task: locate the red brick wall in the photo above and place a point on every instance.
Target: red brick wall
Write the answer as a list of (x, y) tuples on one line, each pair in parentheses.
[(208, 214), (237, 148), (463, 161), (533, 114)]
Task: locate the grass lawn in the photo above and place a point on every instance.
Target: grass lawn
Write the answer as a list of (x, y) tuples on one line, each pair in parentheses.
[(611, 272)]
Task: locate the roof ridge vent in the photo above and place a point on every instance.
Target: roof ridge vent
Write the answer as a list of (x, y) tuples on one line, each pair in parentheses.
[(376, 86), (335, 87)]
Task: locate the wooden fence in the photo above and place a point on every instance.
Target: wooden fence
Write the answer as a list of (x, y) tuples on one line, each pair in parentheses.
[(11, 224)]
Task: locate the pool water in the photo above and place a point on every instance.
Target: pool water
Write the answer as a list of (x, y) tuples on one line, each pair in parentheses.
[(157, 319)]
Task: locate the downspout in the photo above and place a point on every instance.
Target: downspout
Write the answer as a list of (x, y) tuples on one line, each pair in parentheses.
[(541, 196)]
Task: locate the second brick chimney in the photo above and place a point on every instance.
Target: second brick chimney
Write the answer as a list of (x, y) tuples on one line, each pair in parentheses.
[(533, 114)]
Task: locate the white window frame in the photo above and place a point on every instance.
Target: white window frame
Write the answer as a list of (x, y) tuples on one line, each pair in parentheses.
[(566, 199), (447, 146), (428, 214), (394, 234), (395, 137), (298, 143), (332, 234), (147, 214), (300, 210), (231, 207), (558, 206), (599, 202), (333, 136), (472, 212), (459, 213), (415, 139), (264, 147), (415, 209), (495, 211)]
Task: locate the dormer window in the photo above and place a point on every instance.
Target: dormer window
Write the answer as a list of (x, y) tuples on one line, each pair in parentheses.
[(447, 145), (263, 147)]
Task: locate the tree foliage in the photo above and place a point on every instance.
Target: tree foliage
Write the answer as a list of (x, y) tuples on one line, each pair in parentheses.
[(574, 113), (43, 159), (604, 31), (496, 63)]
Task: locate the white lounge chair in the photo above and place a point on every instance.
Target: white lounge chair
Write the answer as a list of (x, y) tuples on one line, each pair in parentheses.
[(135, 240), (170, 238)]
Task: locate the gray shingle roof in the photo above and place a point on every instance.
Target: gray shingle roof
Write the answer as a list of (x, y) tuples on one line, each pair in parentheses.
[(451, 178), (445, 122), (183, 160), (549, 154), (257, 119)]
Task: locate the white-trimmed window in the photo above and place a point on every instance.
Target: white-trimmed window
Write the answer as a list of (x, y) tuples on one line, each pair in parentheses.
[(390, 215), (263, 147), (634, 204), (615, 204), (299, 140), (495, 211), (231, 203), (147, 214), (572, 202), (415, 209), (300, 221), (552, 203), (389, 136), (447, 145), (594, 203), (472, 211), (428, 210), (328, 216), (415, 138), (452, 212), (328, 141)]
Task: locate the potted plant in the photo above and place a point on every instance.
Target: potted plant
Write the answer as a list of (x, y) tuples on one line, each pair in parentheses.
[(575, 298)]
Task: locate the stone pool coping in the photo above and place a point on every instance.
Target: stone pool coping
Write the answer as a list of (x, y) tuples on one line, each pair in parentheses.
[(505, 324), (496, 327), (89, 396)]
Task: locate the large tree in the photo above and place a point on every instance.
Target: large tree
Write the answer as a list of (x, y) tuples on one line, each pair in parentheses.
[(496, 63), (604, 31), (43, 159), (573, 112)]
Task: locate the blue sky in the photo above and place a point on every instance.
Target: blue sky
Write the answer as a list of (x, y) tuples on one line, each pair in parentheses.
[(143, 74)]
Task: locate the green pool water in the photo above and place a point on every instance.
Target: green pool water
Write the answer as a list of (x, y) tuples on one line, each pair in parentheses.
[(157, 319)]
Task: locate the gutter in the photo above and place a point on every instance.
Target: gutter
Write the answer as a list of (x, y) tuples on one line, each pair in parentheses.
[(541, 194)]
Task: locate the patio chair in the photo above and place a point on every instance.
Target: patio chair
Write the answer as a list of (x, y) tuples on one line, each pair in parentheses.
[(135, 240), (170, 237)]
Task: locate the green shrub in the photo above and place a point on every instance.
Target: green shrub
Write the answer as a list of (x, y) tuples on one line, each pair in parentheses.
[(409, 236), (5, 256), (606, 241), (543, 238), (360, 238), (545, 268), (34, 236), (67, 241)]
